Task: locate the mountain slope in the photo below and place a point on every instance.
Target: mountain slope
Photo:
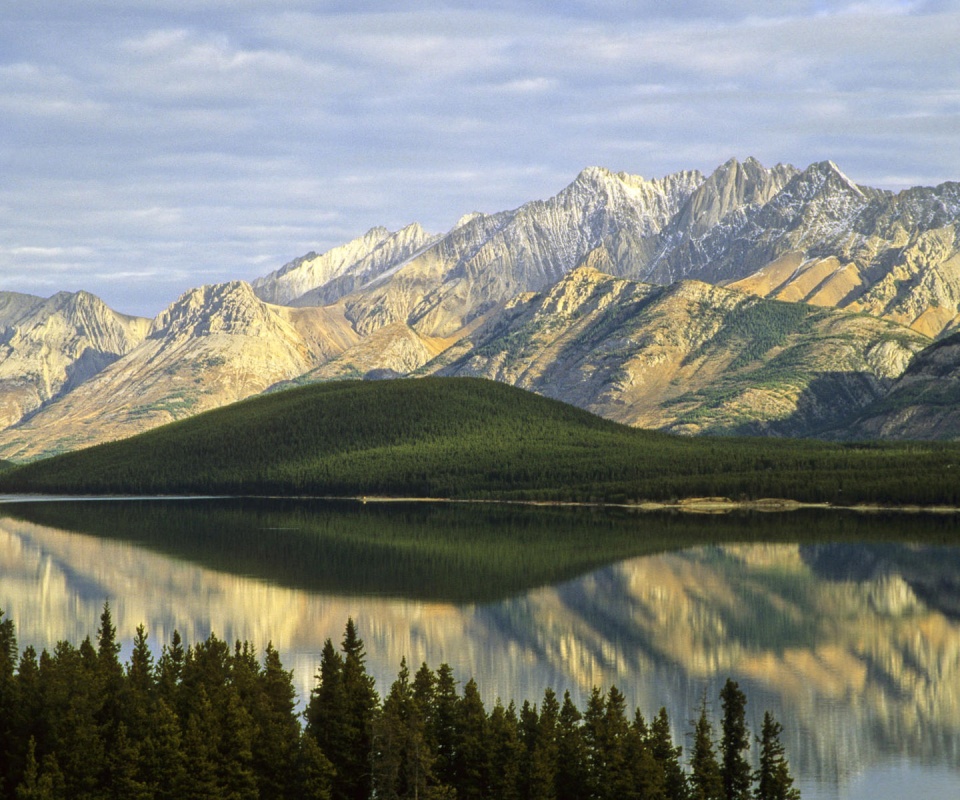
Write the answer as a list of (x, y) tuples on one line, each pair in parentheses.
[(324, 279), (215, 345), (689, 358), (49, 346), (487, 259), (469, 438), (923, 404)]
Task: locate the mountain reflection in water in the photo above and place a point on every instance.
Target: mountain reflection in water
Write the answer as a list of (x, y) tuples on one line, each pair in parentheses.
[(854, 646)]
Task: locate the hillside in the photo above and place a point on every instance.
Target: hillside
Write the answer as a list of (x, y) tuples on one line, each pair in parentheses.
[(468, 438), (924, 403), (476, 300), (686, 358)]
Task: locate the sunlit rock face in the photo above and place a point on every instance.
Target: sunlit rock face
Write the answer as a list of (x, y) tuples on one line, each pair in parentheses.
[(215, 345), (837, 641), (50, 346), (687, 358)]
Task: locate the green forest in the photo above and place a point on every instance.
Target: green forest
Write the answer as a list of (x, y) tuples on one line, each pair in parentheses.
[(465, 438), (214, 721)]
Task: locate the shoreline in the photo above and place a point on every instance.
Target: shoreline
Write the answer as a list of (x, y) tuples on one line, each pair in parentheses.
[(689, 505)]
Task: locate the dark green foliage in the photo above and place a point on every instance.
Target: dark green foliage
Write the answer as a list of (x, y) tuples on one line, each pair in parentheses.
[(468, 438), (774, 781), (231, 730), (705, 781), (734, 743)]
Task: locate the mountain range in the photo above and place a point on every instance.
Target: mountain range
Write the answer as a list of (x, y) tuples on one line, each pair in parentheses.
[(755, 300)]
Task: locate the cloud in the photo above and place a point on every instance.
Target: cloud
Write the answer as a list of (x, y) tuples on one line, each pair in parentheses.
[(170, 142)]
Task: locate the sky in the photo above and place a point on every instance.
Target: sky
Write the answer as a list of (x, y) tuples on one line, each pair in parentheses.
[(151, 146)]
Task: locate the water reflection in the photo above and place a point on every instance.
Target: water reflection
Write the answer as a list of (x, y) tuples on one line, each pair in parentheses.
[(855, 647)]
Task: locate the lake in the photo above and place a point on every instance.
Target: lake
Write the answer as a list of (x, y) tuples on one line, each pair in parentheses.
[(846, 626)]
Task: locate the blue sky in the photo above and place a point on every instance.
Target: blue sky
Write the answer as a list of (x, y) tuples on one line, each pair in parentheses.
[(148, 147)]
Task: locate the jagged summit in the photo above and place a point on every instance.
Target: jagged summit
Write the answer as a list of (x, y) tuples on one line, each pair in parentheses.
[(630, 272)]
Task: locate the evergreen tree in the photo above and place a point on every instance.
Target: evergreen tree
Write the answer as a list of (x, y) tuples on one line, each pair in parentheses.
[(170, 670), (471, 756), (314, 772), (201, 750), (667, 756), (544, 757), (40, 783), (735, 741), (401, 758), (236, 773), (571, 781), (163, 759), (341, 713), (277, 741), (444, 727), (774, 781), (506, 753), (361, 706), (594, 743), (616, 780), (8, 699), (706, 782)]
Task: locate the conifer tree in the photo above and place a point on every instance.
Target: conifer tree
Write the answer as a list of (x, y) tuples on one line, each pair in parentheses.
[(506, 753), (201, 739), (774, 781), (471, 756), (735, 741), (571, 781), (170, 670), (276, 744), (594, 741), (706, 782), (667, 756), (616, 778), (446, 710), (543, 760), (164, 763), (314, 772), (8, 698)]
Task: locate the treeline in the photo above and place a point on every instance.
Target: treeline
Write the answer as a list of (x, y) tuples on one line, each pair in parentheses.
[(211, 721), (470, 438)]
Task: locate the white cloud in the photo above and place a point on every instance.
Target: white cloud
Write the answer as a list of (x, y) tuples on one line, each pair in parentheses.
[(204, 139)]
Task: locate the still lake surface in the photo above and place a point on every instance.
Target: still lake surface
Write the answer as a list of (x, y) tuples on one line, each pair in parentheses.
[(845, 626)]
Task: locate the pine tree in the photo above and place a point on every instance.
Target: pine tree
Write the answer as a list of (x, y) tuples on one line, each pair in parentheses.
[(44, 782), (734, 769), (361, 706), (544, 757), (616, 779), (506, 753), (594, 743), (471, 756), (706, 782), (774, 781), (8, 699), (571, 781), (667, 756), (444, 728), (276, 745), (314, 772), (170, 670), (201, 739)]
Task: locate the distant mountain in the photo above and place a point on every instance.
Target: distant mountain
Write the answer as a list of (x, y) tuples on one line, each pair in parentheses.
[(49, 346), (215, 345), (689, 357), (670, 330), (316, 280), (923, 404)]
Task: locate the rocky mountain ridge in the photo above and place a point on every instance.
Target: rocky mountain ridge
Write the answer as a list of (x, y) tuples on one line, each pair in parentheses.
[(519, 296)]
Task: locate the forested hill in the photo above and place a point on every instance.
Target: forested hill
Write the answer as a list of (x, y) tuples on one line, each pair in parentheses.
[(470, 438)]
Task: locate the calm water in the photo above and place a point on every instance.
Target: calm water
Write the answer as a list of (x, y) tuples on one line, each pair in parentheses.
[(846, 627)]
